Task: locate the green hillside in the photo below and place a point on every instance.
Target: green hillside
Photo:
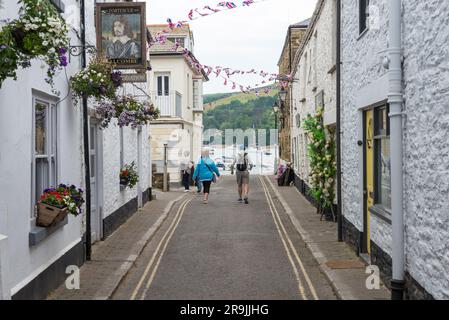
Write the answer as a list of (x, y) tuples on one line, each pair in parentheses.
[(211, 101), (249, 112)]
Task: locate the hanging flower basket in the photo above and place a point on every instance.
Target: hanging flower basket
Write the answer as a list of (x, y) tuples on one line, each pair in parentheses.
[(129, 176), (128, 111), (56, 203), (98, 80), (39, 32)]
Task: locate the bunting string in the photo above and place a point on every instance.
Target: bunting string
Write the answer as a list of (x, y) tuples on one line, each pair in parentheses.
[(222, 72)]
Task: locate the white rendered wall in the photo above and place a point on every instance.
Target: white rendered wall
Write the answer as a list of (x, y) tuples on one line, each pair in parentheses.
[(15, 166), (320, 48)]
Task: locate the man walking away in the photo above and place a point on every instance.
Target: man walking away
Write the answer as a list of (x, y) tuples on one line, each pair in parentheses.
[(242, 166)]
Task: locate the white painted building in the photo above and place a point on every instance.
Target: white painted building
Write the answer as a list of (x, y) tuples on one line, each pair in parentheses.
[(176, 89), (33, 260), (367, 133), (314, 85)]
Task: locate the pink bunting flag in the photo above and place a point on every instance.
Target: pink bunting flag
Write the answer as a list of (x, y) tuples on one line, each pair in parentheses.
[(226, 82), (201, 14), (211, 9), (191, 14), (233, 85), (171, 25), (248, 2)]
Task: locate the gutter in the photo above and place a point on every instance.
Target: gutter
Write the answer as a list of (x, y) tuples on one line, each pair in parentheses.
[(395, 100), (338, 134)]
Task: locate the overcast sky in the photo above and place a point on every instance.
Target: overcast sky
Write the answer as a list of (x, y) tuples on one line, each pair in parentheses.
[(242, 38)]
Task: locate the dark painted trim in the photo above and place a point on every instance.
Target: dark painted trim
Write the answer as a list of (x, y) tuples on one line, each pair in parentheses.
[(52, 277), (352, 236), (118, 217), (381, 259), (414, 291), (147, 196)]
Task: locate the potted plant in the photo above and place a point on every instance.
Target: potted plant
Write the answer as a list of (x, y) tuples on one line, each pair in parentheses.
[(39, 32), (128, 110), (129, 176), (98, 80), (56, 203)]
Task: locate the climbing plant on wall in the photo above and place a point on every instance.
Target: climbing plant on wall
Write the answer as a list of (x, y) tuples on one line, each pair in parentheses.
[(321, 152)]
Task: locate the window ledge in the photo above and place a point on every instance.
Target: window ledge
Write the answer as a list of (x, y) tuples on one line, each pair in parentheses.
[(381, 213), (39, 234)]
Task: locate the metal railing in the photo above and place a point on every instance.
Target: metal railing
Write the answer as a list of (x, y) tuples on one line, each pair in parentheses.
[(170, 105)]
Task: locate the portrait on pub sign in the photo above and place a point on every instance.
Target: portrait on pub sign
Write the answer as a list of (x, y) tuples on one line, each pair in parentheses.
[(121, 33)]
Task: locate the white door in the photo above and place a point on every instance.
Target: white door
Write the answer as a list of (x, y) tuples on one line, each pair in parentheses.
[(163, 94), (95, 183)]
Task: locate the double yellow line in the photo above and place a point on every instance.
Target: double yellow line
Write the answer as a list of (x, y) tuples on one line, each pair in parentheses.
[(159, 253), (289, 247)]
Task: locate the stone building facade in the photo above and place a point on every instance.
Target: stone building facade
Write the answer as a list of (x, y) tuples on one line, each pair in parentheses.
[(293, 39), (366, 171), (314, 84)]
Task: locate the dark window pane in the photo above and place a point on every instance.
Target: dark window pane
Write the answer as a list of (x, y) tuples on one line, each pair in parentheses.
[(166, 85), (363, 10), (159, 86), (40, 128)]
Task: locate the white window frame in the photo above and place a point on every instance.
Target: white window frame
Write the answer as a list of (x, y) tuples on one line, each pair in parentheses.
[(51, 145), (196, 94)]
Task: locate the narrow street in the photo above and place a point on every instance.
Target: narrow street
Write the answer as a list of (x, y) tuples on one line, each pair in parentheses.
[(226, 250)]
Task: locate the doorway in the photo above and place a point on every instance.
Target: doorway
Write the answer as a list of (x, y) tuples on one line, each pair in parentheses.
[(369, 176)]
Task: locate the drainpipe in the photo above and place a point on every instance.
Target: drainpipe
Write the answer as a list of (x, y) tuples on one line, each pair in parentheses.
[(88, 241), (338, 136), (395, 100)]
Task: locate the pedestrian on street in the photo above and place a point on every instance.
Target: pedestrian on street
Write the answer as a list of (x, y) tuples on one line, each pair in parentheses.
[(197, 182), (186, 170), (242, 166), (207, 172)]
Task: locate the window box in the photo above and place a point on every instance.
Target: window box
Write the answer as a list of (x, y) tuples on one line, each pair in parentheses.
[(48, 216)]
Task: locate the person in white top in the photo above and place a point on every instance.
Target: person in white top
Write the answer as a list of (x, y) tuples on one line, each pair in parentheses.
[(242, 165)]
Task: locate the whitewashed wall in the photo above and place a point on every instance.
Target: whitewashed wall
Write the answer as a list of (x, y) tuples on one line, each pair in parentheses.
[(15, 166), (426, 156), (425, 143), (320, 48), (361, 68)]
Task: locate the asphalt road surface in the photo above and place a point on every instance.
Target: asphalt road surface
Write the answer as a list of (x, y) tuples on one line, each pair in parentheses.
[(228, 251)]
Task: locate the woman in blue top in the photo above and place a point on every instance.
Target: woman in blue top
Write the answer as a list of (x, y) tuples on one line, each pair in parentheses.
[(205, 171)]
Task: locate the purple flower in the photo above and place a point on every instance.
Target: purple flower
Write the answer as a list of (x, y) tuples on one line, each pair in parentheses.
[(3, 47), (116, 78), (63, 61), (62, 51)]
